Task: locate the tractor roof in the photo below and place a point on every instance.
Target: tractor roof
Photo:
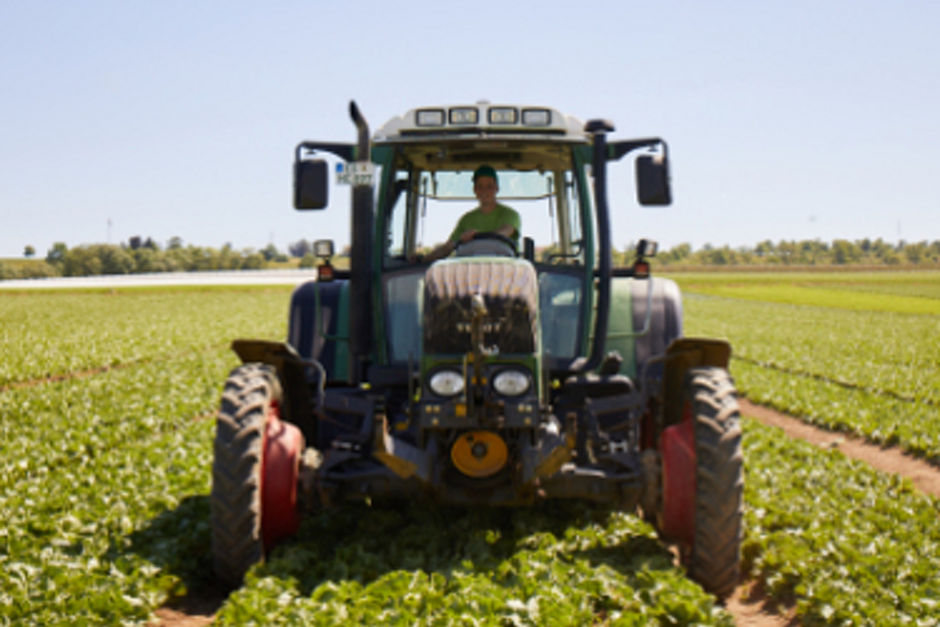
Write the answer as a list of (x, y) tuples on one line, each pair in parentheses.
[(481, 120)]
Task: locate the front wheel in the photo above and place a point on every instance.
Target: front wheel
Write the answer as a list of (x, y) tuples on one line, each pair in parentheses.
[(702, 480), (254, 472)]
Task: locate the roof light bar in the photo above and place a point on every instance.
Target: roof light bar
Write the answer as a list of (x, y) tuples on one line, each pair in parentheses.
[(429, 117), (536, 117), (503, 115), (464, 115)]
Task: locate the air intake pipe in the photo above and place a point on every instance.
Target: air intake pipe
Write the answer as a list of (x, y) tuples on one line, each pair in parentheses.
[(599, 129), (360, 262)]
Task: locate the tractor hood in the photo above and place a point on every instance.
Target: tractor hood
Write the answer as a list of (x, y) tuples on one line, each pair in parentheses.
[(509, 291)]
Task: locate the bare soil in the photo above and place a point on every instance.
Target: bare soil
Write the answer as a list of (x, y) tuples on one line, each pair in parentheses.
[(749, 605)]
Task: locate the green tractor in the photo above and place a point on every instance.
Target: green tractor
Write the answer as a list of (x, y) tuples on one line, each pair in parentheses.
[(496, 377)]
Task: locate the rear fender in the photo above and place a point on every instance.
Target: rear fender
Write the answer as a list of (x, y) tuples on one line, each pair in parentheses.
[(297, 406), (683, 354)]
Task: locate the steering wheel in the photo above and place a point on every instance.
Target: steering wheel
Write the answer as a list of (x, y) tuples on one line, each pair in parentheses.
[(495, 236), (488, 243)]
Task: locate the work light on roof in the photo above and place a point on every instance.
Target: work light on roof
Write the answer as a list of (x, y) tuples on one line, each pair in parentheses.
[(464, 115), (536, 117), (429, 117), (503, 115)]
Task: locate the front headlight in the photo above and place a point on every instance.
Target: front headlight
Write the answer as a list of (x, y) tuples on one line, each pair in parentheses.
[(511, 382), (446, 383)]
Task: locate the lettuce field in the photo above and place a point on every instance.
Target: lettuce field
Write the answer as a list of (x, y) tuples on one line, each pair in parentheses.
[(106, 405)]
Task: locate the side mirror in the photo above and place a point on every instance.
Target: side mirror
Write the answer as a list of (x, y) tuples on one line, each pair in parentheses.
[(652, 180), (646, 248), (311, 189)]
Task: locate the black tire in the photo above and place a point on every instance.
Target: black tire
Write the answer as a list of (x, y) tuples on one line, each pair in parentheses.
[(236, 470), (715, 555)]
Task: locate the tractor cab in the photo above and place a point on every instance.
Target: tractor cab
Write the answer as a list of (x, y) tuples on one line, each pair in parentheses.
[(516, 369), (422, 163)]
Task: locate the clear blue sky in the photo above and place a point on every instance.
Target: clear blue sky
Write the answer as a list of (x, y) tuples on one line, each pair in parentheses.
[(786, 120)]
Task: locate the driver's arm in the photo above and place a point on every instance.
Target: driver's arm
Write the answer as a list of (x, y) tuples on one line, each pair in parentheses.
[(459, 235), (506, 230), (441, 251)]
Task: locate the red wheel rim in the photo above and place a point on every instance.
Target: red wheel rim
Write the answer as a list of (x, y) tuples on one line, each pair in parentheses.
[(280, 468), (677, 448)]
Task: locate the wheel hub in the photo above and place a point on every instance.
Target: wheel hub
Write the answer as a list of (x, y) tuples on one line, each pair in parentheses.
[(479, 453)]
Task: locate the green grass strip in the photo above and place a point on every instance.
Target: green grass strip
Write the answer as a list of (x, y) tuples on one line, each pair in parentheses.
[(840, 297)]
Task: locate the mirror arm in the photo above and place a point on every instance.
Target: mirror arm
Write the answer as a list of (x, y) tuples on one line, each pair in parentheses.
[(345, 152), (617, 149)]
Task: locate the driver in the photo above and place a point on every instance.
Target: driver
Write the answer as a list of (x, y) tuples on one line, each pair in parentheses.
[(489, 217)]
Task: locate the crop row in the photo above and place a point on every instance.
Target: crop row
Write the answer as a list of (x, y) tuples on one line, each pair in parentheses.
[(886, 420), (561, 563), (68, 423), (838, 541), (846, 544), (104, 475), (109, 526), (47, 334), (76, 508), (104, 494), (878, 351)]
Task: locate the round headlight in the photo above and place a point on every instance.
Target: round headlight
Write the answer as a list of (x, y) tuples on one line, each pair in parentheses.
[(446, 382), (511, 382)]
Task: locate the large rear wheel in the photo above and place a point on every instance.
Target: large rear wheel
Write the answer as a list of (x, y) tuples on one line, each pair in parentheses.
[(702, 480), (254, 473)]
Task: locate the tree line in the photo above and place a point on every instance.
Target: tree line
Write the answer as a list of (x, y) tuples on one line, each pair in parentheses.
[(139, 255)]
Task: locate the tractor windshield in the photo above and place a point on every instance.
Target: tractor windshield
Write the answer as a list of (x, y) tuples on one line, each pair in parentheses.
[(420, 206), (427, 206)]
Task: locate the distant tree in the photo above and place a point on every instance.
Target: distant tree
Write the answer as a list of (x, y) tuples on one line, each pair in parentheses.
[(917, 252), (81, 261), (308, 261), (152, 245), (299, 248), (134, 242), (29, 251), (175, 243), (56, 254), (254, 261), (114, 259), (270, 252), (844, 251)]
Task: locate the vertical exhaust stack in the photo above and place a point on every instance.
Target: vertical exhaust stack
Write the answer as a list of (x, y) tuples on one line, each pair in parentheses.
[(360, 259), (599, 129)]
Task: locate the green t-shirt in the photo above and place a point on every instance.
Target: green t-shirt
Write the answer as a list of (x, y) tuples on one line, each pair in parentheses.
[(488, 222)]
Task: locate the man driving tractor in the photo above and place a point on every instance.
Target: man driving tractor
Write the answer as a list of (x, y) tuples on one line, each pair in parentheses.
[(489, 217)]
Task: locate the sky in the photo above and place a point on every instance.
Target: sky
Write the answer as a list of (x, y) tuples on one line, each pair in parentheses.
[(785, 119)]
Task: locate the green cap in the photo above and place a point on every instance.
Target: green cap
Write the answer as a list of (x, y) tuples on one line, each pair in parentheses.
[(485, 170)]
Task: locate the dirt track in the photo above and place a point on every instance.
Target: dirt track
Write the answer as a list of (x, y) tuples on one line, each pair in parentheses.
[(748, 604)]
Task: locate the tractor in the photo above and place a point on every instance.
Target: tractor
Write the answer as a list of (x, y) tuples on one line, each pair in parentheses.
[(501, 376)]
